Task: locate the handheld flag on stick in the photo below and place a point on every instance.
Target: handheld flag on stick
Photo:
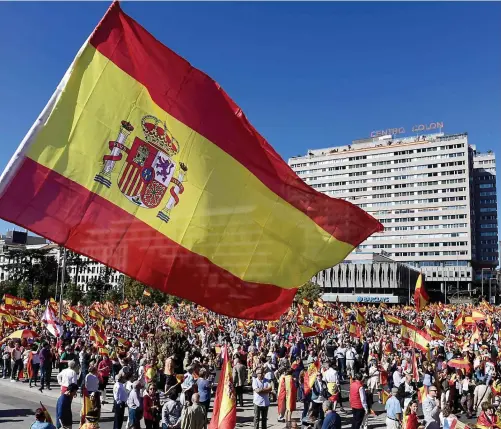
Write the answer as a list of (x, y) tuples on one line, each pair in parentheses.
[(51, 322), (421, 297), (14, 303), (74, 316), (48, 417), (156, 158), (310, 376), (224, 415)]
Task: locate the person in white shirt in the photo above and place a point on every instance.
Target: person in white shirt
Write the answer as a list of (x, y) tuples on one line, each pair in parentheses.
[(331, 377), (397, 377), (120, 397), (67, 376), (340, 355), (351, 356), (261, 399)]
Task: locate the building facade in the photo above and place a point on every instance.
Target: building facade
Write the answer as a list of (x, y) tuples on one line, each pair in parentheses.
[(421, 188), (89, 270), (485, 200)]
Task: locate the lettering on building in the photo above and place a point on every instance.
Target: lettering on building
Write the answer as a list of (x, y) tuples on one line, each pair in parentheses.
[(415, 129)]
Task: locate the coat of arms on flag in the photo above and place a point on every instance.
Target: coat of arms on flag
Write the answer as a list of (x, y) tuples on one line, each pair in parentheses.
[(148, 170)]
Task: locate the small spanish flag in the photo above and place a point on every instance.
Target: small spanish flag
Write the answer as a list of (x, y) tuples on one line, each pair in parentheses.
[(95, 314), (74, 316), (307, 331), (438, 323), (384, 396), (124, 306), (421, 297), (146, 292), (48, 417), (14, 302)]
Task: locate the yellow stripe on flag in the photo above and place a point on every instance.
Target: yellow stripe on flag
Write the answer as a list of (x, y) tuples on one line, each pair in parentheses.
[(235, 230)]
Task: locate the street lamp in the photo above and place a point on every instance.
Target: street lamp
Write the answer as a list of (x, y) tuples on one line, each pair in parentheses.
[(482, 274)]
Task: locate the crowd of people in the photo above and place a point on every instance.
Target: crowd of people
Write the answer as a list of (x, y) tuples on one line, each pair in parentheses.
[(159, 365)]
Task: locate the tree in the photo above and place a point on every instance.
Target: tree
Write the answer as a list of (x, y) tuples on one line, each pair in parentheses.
[(134, 292), (309, 290), (72, 293), (96, 290), (24, 290), (32, 269), (114, 296), (133, 289), (8, 287)]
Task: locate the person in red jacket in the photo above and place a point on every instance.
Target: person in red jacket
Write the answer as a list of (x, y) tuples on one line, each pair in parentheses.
[(104, 370), (151, 407), (358, 402)]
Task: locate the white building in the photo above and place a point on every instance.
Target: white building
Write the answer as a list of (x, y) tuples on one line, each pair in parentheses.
[(87, 272), (420, 189)]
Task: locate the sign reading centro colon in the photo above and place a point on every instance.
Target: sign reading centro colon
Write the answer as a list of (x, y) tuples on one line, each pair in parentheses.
[(414, 129)]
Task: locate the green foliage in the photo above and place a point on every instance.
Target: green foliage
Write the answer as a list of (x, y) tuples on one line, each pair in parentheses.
[(133, 290), (32, 272), (114, 296), (24, 290), (8, 287), (309, 290), (96, 291), (72, 293)]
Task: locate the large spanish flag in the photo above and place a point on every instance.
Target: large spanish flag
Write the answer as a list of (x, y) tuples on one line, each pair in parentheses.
[(144, 163)]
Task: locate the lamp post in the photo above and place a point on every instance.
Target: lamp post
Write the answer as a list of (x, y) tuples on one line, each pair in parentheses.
[(482, 275)]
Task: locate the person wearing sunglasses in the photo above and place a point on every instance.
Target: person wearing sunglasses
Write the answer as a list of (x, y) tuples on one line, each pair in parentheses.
[(431, 409)]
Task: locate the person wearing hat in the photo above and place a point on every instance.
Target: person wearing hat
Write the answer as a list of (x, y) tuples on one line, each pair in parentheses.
[(393, 410), (91, 420)]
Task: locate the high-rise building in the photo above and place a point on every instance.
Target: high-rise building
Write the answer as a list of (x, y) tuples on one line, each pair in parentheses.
[(435, 201)]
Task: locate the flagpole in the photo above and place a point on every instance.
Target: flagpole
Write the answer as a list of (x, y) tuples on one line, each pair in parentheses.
[(62, 285)]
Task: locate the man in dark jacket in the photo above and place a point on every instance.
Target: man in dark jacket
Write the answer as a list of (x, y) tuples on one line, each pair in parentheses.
[(64, 416), (45, 366)]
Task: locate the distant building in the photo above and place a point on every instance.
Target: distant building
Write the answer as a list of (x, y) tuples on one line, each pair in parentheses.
[(87, 273), (435, 195)]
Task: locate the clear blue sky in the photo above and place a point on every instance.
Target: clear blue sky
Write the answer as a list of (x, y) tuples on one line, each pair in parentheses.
[(307, 75)]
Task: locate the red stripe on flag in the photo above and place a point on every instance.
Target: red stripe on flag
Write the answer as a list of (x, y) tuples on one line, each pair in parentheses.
[(71, 213), (196, 100)]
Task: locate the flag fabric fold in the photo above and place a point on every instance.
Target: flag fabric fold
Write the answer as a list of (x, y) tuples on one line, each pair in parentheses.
[(74, 316), (224, 414), (310, 376), (421, 297), (140, 152), (14, 303), (51, 321)]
